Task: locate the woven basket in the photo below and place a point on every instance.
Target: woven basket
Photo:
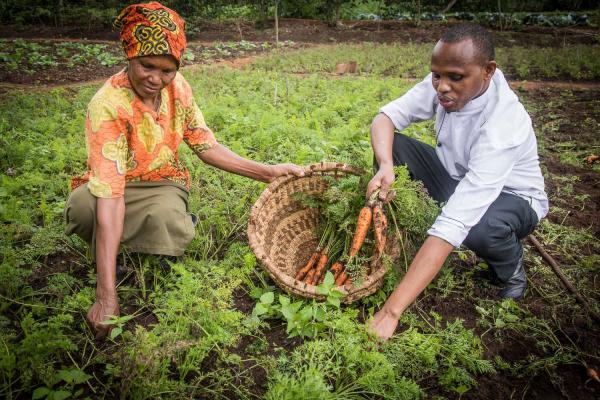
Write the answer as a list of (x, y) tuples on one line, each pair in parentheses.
[(283, 232)]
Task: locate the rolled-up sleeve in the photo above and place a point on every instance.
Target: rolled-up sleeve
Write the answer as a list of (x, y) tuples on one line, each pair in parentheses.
[(416, 105), (488, 169)]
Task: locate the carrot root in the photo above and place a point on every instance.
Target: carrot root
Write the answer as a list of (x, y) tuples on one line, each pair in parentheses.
[(380, 225), (336, 269), (343, 276), (362, 227), (311, 262), (310, 276), (320, 268)]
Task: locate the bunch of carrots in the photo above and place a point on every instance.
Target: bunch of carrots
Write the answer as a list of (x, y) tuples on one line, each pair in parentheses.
[(330, 248)]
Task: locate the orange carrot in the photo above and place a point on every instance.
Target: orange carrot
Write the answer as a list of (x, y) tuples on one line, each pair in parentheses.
[(342, 277), (311, 261), (591, 372), (336, 268), (380, 228), (309, 277), (362, 227), (319, 269)]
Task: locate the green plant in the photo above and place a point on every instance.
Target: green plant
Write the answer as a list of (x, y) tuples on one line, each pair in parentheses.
[(305, 319), (118, 324), (451, 354), (70, 379)]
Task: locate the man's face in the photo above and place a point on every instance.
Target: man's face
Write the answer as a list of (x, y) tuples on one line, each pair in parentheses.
[(458, 75)]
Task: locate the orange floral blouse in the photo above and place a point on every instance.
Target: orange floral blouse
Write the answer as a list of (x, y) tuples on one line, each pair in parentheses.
[(127, 141)]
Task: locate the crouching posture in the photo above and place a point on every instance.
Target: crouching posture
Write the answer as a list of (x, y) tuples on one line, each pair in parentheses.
[(484, 167), (135, 191)]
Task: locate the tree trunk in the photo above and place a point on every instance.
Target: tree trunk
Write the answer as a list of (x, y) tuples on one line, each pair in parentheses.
[(276, 25), (59, 14), (449, 6)]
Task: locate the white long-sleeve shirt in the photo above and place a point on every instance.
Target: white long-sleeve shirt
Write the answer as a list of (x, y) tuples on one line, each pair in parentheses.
[(488, 146)]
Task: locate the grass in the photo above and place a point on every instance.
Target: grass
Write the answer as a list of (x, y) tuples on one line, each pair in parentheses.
[(187, 336), (412, 61)]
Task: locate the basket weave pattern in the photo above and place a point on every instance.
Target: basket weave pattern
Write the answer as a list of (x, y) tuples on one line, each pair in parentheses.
[(283, 232)]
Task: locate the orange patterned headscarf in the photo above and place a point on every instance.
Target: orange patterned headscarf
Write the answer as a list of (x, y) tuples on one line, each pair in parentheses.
[(151, 29)]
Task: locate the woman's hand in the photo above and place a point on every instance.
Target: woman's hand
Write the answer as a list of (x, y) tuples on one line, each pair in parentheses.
[(278, 170), (101, 311)]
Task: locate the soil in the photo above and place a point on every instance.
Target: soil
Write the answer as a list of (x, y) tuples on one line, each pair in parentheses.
[(30, 75), (578, 116), (305, 32), (315, 31), (273, 342)]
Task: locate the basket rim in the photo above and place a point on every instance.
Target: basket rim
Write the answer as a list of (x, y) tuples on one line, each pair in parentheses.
[(369, 285)]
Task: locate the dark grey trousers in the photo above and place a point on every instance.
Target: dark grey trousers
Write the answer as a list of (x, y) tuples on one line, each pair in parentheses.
[(497, 236)]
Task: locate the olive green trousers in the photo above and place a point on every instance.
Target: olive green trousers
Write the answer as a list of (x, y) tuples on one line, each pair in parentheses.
[(156, 218)]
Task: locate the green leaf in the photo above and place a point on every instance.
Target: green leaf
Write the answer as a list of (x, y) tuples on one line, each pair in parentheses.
[(482, 311), (334, 301), (60, 395), (284, 300), (81, 377), (289, 310), (306, 313), (511, 317), (322, 290), (320, 314), (115, 332), (328, 281), (260, 309), (40, 393), (462, 389), (256, 292), (267, 298), (65, 375)]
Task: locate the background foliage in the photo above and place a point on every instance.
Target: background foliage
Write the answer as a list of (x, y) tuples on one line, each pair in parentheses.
[(101, 13)]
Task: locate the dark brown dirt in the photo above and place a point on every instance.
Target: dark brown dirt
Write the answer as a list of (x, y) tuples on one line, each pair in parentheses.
[(273, 341), (298, 31), (54, 264), (34, 75), (569, 117), (314, 31)]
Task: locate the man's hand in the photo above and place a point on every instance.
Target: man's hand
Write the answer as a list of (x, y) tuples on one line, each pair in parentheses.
[(382, 180), (383, 325), (100, 312), (277, 170)]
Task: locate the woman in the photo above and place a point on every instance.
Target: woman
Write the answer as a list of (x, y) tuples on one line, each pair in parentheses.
[(135, 190)]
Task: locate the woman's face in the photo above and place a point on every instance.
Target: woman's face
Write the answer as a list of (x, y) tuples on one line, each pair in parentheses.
[(149, 74)]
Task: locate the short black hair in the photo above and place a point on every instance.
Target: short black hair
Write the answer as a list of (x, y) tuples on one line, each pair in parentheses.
[(481, 38)]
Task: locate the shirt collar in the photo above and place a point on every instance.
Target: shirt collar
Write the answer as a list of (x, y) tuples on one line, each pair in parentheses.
[(479, 103)]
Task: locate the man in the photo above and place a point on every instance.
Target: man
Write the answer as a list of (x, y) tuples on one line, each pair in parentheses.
[(484, 167), (135, 190)]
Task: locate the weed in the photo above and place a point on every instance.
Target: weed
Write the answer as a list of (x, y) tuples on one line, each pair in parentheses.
[(303, 319)]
